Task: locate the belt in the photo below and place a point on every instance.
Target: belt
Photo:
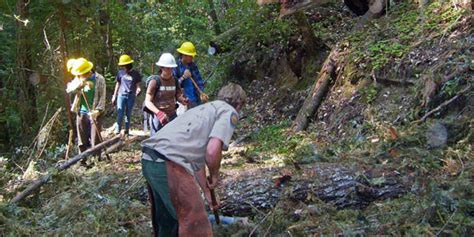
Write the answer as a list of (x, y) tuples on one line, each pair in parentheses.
[(153, 155)]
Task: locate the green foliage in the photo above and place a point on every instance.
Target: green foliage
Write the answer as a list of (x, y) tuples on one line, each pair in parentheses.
[(274, 141), (369, 93), (401, 32)]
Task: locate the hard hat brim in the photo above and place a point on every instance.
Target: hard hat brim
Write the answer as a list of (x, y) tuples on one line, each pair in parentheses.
[(166, 65), (125, 63), (181, 51), (84, 71)]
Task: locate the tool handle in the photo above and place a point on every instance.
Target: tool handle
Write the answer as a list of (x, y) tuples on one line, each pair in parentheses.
[(214, 202)]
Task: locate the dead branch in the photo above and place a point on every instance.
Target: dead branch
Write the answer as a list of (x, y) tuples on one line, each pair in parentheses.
[(39, 182), (442, 105), (316, 95), (122, 143)]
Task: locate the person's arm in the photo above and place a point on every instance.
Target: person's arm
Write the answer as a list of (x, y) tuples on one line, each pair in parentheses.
[(150, 93), (198, 78), (180, 96), (139, 89), (202, 181), (114, 96), (101, 93), (213, 160)]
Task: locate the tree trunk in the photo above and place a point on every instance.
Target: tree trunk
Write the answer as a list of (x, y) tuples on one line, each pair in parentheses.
[(316, 95), (104, 22), (310, 41), (39, 182), (341, 185), (27, 92), (65, 75), (213, 14)]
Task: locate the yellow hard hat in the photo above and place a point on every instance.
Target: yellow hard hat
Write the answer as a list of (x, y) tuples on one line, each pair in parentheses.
[(187, 48), (124, 60), (70, 63), (81, 66)]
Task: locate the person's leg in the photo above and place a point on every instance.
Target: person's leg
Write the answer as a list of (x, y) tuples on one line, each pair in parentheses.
[(187, 201), (155, 124), (121, 100), (128, 118), (164, 213), (82, 132), (146, 117), (95, 131), (154, 221)]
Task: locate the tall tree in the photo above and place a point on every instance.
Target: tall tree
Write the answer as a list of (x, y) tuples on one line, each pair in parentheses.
[(27, 93), (213, 14)]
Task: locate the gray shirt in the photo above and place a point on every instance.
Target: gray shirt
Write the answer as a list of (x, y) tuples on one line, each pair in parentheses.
[(184, 140)]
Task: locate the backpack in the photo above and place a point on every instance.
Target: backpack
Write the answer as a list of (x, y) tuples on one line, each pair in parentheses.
[(158, 85)]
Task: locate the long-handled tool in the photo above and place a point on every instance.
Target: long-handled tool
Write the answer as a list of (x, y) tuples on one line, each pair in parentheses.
[(214, 202), (94, 122)]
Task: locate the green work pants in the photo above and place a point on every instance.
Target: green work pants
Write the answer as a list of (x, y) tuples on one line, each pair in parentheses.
[(164, 213)]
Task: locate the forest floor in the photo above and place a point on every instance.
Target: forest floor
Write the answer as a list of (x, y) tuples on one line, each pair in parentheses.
[(363, 140)]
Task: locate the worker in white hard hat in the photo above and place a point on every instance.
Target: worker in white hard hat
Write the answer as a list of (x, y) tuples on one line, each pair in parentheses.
[(163, 91)]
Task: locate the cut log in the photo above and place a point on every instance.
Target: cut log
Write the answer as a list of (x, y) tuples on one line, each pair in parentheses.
[(316, 95), (340, 185), (39, 182)]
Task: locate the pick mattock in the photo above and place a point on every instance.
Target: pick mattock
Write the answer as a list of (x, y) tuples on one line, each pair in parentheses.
[(94, 123)]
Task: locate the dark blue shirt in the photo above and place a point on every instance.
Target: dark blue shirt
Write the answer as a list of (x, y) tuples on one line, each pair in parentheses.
[(189, 89), (128, 81)]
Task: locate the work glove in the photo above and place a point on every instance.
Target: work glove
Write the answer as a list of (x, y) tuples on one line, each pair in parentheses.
[(94, 114), (162, 117), (74, 85)]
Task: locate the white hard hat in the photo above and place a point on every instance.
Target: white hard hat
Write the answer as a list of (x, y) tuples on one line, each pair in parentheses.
[(166, 60)]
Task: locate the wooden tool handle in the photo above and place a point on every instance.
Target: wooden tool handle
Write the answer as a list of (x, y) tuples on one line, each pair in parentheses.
[(214, 202)]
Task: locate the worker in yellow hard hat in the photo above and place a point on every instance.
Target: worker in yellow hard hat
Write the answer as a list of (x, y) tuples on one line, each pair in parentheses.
[(127, 88), (89, 101), (188, 74)]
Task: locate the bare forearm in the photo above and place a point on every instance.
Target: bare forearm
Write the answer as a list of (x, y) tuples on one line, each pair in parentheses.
[(151, 106), (117, 85), (213, 158)]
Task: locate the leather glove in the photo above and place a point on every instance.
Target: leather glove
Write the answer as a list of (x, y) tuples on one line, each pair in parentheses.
[(94, 114), (162, 117)]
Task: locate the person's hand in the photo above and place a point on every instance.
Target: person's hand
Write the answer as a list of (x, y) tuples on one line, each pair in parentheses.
[(213, 206), (162, 117), (187, 73), (94, 114), (185, 101), (212, 182), (114, 99), (138, 91), (74, 85)]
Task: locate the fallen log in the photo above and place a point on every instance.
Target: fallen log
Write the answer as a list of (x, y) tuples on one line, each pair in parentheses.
[(122, 143), (39, 182), (341, 185), (314, 99)]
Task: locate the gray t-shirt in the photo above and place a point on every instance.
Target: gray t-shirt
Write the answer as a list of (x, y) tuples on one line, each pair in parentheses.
[(184, 140)]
